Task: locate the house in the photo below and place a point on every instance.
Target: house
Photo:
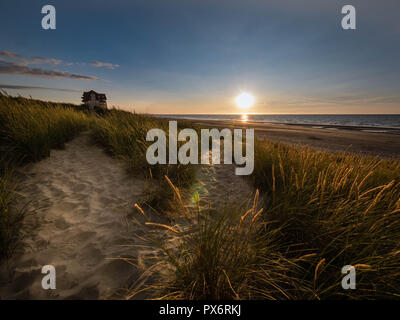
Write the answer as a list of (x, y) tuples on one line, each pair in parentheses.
[(93, 99)]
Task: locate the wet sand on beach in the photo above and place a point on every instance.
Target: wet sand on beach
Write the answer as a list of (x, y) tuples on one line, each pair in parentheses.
[(363, 140)]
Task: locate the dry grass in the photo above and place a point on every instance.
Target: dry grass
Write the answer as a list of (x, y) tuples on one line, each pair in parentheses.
[(228, 256), (123, 134), (319, 212), (29, 129), (342, 207), (315, 212)]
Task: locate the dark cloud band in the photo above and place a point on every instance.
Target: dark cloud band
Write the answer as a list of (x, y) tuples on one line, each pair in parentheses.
[(13, 68), (17, 87)]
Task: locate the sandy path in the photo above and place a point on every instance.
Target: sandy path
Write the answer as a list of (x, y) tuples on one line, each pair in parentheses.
[(218, 188), (219, 185), (81, 197)]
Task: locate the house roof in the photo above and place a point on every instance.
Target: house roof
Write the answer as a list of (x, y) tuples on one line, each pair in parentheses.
[(87, 95)]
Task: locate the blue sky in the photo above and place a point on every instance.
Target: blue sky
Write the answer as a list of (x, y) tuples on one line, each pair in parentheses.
[(192, 56)]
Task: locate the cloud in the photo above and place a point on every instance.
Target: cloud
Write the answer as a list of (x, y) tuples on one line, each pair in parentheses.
[(16, 87), (41, 60), (32, 60), (29, 60), (104, 64), (9, 54), (14, 68)]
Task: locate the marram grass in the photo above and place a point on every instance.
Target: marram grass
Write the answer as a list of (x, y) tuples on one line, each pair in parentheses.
[(315, 212), (30, 128), (343, 207), (318, 211), (123, 134)]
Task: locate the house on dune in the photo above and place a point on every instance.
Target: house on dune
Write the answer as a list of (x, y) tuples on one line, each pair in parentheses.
[(93, 99)]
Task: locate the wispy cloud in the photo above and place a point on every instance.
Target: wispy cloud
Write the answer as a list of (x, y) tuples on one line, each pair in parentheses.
[(41, 60), (17, 87), (104, 64), (9, 54), (14, 68), (32, 60)]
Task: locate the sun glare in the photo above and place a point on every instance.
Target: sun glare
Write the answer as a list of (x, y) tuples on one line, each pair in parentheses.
[(244, 100)]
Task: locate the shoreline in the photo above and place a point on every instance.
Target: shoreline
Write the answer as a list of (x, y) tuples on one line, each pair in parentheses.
[(372, 129), (368, 141)]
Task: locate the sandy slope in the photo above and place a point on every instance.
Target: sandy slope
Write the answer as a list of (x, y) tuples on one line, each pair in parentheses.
[(81, 197)]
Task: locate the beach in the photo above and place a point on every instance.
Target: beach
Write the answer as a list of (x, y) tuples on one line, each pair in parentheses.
[(354, 139)]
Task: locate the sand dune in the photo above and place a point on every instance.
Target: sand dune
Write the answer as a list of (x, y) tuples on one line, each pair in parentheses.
[(81, 198)]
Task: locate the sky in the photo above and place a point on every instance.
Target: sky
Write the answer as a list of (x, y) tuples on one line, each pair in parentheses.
[(196, 56)]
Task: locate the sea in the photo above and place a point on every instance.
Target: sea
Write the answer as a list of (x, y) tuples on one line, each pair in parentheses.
[(378, 121)]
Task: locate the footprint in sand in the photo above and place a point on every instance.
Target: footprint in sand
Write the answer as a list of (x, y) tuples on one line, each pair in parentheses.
[(80, 227)]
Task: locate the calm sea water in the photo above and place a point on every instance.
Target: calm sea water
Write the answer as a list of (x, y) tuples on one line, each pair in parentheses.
[(372, 121)]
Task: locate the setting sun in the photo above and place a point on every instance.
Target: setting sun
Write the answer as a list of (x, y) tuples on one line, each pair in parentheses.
[(244, 100)]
